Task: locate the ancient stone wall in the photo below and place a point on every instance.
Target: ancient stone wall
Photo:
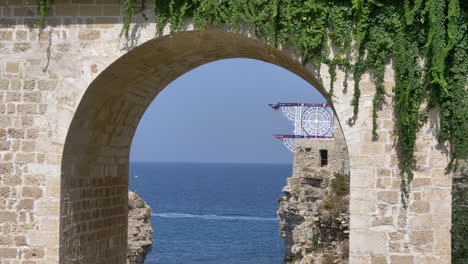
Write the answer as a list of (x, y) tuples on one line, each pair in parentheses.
[(71, 98), (314, 210)]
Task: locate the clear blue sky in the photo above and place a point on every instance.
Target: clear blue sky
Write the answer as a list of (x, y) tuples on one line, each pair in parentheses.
[(219, 113)]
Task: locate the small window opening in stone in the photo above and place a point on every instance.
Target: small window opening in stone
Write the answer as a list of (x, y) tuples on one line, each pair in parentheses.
[(308, 149), (323, 157)]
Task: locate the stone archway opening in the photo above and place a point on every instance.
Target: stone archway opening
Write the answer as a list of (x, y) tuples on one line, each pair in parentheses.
[(226, 172), (95, 164)]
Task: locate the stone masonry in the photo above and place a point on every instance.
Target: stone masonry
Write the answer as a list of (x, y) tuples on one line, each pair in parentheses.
[(314, 210), (71, 98)]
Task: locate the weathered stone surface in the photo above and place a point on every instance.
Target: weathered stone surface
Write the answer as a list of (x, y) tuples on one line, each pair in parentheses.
[(314, 220), (78, 120), (401, 260), (140, 232), (89, 35), (421, 236), (379, 260), (368, 242), (388, 196), (420, 207)]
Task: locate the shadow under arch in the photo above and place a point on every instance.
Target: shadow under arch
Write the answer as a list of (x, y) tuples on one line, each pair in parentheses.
[(95, 162)]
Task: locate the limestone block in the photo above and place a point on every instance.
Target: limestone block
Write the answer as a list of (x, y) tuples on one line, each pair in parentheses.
[(362, 201), (395, 236), (419, 207), (8, 253), (12, 179), (441, 178), (4, 145), (401, 259), (373, 148), (362, 178), (379, 260), (15, 133), (6, 168), (366, 161), (47, 85), (33, 192), (442, 222), (421, 249), (20, 241), (442, 242), (47, 208), (52, 252), (438, 159), (21, 35), (33, 253), (427, 260), (420, 222), (7, 217), (394, 247), (367, 243), (89, 35), (33, 179), (44, 239), (421, 182), (390, 197), (25, 158), (15, 84), (12, 67), (4, 192), (385, 182), (48, 261), (25, 204), (359, 222), (437, 194), (6, 35), (13, 97), (5, 121), (421, 236), (383, 221)]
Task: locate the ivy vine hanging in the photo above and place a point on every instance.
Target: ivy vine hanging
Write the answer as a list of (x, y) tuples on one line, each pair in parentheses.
[(427, 40)]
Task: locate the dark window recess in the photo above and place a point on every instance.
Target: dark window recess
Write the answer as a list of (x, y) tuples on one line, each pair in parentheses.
[(323, 157), (308, 149)]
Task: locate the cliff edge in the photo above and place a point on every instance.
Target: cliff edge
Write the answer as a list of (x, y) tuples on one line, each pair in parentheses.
[(140, 233), (313, 213)]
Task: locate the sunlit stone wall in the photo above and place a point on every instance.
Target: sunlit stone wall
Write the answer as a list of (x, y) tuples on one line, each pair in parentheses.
[(70, 101)]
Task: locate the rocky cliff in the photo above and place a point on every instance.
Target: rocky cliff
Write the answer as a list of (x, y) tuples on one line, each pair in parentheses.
[(314, 211), (140, 233)]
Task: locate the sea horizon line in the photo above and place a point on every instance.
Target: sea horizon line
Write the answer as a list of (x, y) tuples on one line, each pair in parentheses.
[(213, 162)]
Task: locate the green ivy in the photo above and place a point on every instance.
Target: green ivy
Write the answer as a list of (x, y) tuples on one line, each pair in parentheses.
[(460, 218), (426, 39), (42, 6)]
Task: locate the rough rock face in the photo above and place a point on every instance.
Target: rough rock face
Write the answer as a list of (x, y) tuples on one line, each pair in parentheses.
[(314, 211), (140, 233)]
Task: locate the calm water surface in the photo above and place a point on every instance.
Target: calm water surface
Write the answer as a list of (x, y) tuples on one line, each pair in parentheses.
[(212, 213)]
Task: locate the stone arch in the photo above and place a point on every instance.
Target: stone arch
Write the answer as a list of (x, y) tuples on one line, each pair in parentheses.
[(44, 76), (96, 152)]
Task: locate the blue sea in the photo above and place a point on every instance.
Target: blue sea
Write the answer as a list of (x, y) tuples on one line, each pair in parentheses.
[(212, 213)]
